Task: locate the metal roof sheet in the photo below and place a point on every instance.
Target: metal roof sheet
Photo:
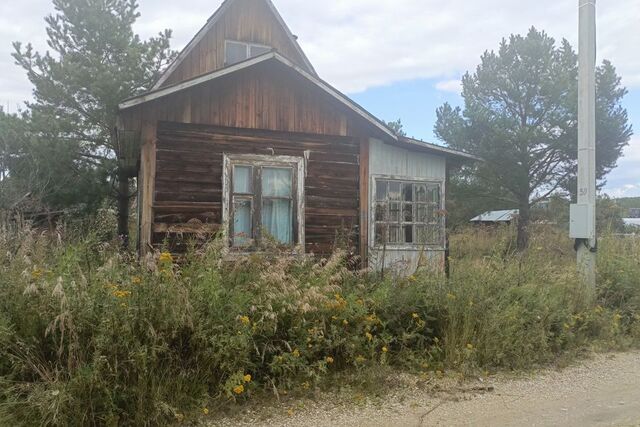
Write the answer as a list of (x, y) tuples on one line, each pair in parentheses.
[(496, 216)]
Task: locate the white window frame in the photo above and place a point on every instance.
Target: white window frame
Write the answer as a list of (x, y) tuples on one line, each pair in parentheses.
[(247, 45), (440, 246), (299, 168)]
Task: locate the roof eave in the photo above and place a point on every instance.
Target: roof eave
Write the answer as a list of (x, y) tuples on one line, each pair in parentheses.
[(438, 149)]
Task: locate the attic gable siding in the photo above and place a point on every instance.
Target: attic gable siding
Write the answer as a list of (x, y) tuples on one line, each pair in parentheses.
[(266, 97), (244, 20)]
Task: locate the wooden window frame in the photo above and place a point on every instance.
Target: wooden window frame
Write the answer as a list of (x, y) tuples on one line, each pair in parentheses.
[(247, 45), (440, 245), (257, 162)]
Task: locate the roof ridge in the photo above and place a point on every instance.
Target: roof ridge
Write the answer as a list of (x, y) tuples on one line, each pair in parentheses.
[(210, 23)]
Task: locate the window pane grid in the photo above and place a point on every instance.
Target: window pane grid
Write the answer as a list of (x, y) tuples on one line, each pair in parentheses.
[(262, 204), (407, 213)]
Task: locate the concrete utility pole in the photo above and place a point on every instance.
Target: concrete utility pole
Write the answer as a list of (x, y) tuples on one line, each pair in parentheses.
[(583, 215)]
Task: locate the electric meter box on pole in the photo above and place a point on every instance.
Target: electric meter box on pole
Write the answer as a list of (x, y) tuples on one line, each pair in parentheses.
[(580, 226)]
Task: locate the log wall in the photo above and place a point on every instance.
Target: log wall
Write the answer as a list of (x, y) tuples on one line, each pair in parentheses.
[(188, 179)]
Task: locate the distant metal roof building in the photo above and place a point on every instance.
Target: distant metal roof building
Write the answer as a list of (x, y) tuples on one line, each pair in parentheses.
[(497, 216), (632, 221)]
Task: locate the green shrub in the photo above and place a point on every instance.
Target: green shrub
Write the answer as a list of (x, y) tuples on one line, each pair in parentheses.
[(91, 336)]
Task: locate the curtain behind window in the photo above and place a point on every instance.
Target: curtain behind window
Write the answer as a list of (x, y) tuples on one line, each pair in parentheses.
[(276, 204)]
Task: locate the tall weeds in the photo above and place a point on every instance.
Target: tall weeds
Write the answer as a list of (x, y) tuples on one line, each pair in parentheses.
[(89, 336)]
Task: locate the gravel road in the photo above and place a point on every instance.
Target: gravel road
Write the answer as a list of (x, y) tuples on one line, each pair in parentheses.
[(602, 391)]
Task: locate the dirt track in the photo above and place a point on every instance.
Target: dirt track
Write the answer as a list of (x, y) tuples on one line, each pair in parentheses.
[(603, 391)]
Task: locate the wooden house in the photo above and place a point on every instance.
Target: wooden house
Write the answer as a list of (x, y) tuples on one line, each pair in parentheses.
[(240, 135)]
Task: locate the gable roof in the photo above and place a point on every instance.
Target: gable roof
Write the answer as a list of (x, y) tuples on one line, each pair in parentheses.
[(251, 62), (273, 56), (211, 22)]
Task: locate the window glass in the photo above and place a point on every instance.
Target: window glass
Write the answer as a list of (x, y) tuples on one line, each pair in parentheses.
[(381, 190), (258, 50), (235, 52), (395, 234), (268, 211), (394, 190), (276, 204), (421, 192), (394, 212), (242, 179), (241, 222), (408, 234), (276, 182), (407, 192), (406, 213), (276, 220)]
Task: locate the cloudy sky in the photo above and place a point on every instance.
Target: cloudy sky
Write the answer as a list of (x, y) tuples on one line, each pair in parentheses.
[(398, 58)]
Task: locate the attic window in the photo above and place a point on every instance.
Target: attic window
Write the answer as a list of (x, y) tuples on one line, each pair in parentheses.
[(235, 51)]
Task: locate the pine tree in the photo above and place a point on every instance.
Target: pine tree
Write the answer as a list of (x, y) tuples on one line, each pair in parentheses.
[(96, 61), (520, 116)]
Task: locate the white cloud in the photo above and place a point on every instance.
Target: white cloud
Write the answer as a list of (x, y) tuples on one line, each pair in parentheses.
[(454, 86), (357, 44), (624, 181)]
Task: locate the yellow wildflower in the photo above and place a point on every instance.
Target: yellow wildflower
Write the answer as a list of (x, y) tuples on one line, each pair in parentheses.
[(296, 353), (165, 257), (247, 378), (345, 322), (290, 412), (136, 280), (121, 294), (245, 320), (239, 389), (412, 278), (566, 326), (372, 318), (451, 296), (360, 359), (360, 302), (369, 336), (385, 349), (470, 346), (205, 411), (415, 316), (179, 417), (334, 317), (598, 309), (306, 385), (36, 274), (329, 359)]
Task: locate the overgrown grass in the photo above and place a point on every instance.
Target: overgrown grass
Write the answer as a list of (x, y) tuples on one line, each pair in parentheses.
[(91, 336)]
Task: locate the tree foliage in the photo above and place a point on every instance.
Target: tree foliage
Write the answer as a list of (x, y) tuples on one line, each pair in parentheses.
[(39, 173), (397, 127), (96, 61), (520, 116)]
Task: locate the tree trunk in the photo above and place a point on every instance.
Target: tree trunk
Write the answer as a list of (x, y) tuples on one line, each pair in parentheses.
[(523, 225), (123, 208)]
